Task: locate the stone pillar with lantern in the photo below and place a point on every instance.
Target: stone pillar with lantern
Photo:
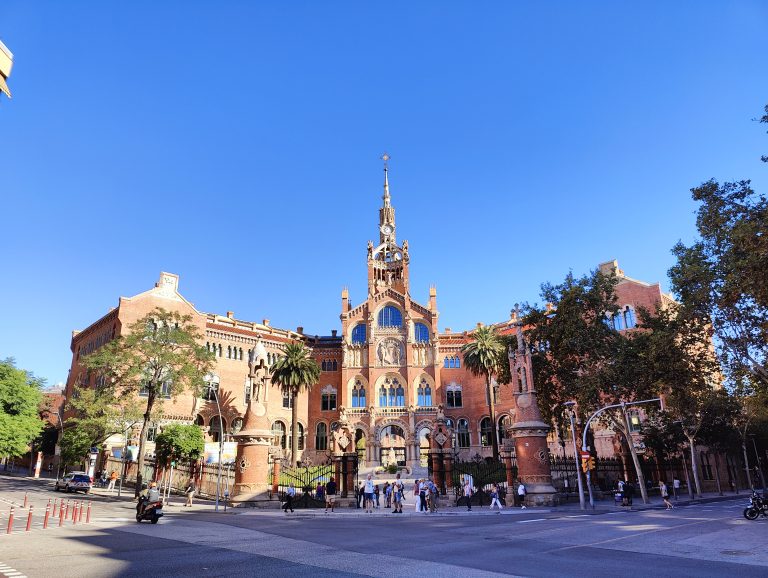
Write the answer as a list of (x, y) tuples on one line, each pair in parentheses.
[(253, 486), (528, 429)]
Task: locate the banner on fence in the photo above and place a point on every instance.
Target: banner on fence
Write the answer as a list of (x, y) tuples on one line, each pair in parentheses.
[(228, 453)]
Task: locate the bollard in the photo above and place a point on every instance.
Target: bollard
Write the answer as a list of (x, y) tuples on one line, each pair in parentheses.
[(74, 513), (55, 507), (61, 516), (65, 509), (88, 514), (29, 520), (47, 514), (10, 522), (81, 513), (25, 500)]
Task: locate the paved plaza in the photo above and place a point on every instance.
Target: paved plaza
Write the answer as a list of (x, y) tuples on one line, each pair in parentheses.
[(701, 539)]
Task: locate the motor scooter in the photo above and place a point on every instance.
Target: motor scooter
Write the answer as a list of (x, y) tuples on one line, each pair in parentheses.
[(757, 505), (152, 511)]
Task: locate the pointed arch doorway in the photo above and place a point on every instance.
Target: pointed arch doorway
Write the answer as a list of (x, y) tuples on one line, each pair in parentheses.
[(392, 446)]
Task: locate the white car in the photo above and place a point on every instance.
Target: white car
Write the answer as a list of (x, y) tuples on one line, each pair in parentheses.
[(74, 482)]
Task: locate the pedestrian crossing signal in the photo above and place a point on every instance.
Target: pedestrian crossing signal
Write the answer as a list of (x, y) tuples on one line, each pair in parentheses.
[(587, 464)]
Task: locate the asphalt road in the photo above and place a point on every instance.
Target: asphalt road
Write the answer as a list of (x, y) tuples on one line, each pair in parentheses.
[(698, 540)]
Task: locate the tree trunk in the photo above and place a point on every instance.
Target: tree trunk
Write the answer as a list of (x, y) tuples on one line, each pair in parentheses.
[(635, 459), (492, 412), (717, 474), (746, 466), (143, 441), (694, 466), (687, 475), (294, 428)]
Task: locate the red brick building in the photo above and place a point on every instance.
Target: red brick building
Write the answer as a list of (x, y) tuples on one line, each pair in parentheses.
[(389, 367)]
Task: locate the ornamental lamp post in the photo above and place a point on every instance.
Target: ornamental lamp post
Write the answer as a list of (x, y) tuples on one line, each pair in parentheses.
[(570, 405)]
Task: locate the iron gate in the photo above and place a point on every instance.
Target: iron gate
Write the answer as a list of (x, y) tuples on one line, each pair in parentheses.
[(483, 474), (305, 480)]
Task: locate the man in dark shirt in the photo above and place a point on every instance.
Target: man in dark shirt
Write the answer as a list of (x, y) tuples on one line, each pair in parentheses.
[(330, 495)]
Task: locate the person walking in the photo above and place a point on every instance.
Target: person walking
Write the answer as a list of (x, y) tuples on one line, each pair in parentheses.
[(320, 492), (376, 493), (468, 493), (665, 495), (521, 493), (495, 498), (397, 494), (434, 494), (423, 496), (629, 492), (289, 494), (387, 495), (416, 495), (112, 480), (675, 486), (330, 495), (190, 492), (368, 495)]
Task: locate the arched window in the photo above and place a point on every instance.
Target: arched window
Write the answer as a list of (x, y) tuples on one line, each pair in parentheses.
[(229, 352), (335, 366), (391, 393), (287, 400), (322, 365), (211, 387), (424, 394), (503, 425), (215, 427), (278, 430), (358, 394), (618, 322), (629, 317), (301, 436), (358, 334), (420, 333), (390, 316), (486, 431), (220, 349), (328, 398), (462, 433), (321, 437), (453, 392), (445, 363), (458, 362)]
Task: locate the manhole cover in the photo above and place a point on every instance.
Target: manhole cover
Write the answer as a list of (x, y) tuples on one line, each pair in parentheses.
[(736, 552)]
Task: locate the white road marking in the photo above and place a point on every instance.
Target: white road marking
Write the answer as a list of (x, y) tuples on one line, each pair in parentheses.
[(536, 520)]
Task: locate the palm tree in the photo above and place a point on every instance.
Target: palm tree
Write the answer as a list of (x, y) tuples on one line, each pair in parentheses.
[(484, 356), (293, 372)]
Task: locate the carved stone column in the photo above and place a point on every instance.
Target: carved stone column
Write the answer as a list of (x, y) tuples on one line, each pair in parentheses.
[(528, 430), (252, 486)]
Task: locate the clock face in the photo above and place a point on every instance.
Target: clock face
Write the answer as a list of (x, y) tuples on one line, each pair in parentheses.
[(387, 229)]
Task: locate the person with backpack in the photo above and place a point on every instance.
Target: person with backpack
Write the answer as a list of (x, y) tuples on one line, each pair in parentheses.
[(521, 493)]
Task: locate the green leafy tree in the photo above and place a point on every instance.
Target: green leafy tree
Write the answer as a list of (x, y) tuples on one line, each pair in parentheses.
[(578, 356), (680, 362), (159, 358), (97, 413), (718, 432), (723, 275), (295, 372), (180, 442), (485, 356), (75, 443), (20, 398)]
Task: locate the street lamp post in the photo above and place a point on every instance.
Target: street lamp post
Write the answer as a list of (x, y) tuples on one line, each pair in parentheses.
[(622, 405), (221, 448), (569, 405), (757, 461)]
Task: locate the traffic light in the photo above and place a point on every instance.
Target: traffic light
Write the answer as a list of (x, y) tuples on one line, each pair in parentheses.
[(587, 464)]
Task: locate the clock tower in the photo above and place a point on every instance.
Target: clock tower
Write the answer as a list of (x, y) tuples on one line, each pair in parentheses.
[(387, 262)]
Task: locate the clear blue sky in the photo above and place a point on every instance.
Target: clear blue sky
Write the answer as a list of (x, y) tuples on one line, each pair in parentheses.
[(237, 144)]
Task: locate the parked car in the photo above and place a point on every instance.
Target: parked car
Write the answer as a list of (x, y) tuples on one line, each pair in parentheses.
[(74, 482)]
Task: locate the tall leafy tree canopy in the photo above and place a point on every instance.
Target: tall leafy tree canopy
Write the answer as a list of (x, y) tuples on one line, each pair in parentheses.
[(486, 356), (159, 358), (20, 398), (724, 274), (179, 442), (573, 348), (295, 371)]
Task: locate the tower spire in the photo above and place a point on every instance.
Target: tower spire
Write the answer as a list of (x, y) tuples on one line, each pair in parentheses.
[(387, 201)]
